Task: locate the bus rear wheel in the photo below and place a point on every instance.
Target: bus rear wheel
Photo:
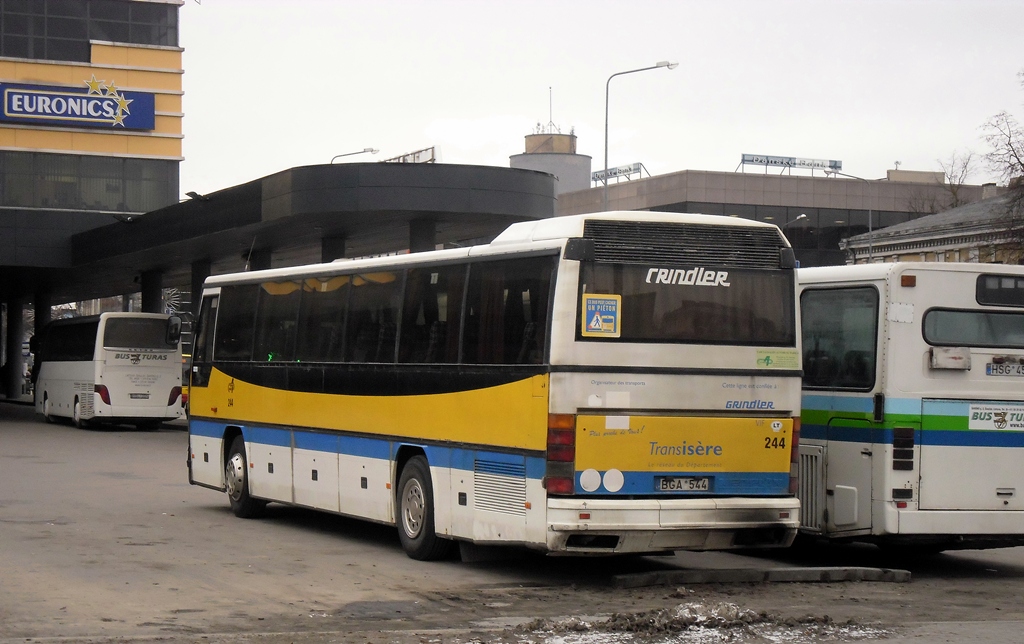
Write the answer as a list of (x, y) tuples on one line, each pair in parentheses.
[(47, 408), (76, 415), (416, 513), (236, 480)]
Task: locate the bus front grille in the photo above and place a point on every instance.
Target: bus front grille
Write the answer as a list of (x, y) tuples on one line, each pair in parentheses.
[(634, 242)]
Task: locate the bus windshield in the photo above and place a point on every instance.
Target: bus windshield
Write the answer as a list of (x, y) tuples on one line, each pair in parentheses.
[(700, 305), (136, 333)]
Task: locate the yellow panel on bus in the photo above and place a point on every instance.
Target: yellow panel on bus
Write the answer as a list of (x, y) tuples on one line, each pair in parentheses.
[(683, 444), (512, 415)]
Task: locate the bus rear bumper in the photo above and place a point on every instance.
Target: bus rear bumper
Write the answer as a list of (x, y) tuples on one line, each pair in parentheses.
[(959, 522), (610, 526)]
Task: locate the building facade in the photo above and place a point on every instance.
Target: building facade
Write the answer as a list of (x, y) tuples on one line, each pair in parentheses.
[(977, 232), (90, 132), (815, 212)]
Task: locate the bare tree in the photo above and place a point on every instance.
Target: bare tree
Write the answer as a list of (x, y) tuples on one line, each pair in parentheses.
[(944, 193), (957, 169), (1005, 138)]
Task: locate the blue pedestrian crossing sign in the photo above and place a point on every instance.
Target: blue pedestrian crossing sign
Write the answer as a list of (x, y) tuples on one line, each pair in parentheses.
[(601, 315)]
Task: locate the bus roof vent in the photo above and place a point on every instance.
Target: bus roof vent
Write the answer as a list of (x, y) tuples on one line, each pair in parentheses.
[(647, 242)]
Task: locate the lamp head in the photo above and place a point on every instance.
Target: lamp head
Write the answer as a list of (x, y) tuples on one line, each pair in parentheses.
[(665, 63)]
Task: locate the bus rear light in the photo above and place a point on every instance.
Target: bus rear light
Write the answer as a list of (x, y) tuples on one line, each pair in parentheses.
[(561, 453), (103, 392), (562, 438), (558, 485), (560, 475), (175, 394), (794, 457)]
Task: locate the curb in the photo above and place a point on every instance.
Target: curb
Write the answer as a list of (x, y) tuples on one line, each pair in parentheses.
[(755, 575)]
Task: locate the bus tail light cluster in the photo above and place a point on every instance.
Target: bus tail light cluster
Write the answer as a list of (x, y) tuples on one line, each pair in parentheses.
[(560, 473), (173, 398), (794, 457), (903, 448), (103, 392)]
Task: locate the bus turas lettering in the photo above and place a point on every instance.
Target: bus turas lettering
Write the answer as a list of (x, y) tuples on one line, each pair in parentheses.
[(139, 356), (749, 404), (698, 276), (700, 449)]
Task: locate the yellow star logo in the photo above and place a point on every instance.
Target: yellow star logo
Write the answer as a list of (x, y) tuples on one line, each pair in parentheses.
[(112, 89), (95, 85), (122, 104), (118, 119)]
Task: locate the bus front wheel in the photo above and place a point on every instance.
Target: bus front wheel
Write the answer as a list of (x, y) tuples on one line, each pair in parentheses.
[(236, 480), (416, 513)]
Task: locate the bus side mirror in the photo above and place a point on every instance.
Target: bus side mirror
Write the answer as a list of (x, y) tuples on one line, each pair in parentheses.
[(173, 329)]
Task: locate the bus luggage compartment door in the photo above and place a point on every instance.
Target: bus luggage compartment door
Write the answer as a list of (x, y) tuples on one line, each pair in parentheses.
[(971, 454)]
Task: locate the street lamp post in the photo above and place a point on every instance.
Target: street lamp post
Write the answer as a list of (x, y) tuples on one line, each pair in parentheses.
[(871, 232), (664, 63), (348, 154), (794, 220)]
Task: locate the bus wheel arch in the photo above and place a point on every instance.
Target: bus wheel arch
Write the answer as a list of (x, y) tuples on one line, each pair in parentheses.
[(414, 508), (236, 480)]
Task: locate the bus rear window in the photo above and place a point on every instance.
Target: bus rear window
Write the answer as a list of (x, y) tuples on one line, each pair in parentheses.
[(700, 305), (1000, 290), (136, 333), (945, 327)]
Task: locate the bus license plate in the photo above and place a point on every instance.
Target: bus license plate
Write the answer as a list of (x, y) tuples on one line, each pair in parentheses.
[(992, 369), (684, 484), (139, 396)]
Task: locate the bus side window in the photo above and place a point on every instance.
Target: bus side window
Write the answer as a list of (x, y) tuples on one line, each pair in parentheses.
[(276, 316), (506, 311), (372, 317), (430, 315), (236, 322), (322, 319)]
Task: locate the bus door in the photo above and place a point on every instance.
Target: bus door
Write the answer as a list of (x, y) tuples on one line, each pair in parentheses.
[(840, 343), (848, 457), (971, 455)]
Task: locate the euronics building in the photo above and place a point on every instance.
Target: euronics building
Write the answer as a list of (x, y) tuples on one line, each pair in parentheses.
[(90, 132)]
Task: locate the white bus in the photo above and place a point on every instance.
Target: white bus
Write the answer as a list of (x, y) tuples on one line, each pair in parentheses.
[(594, 384), (112, 368), (913, 409)]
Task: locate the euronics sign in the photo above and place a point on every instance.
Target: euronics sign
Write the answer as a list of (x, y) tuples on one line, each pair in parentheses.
[(98, 104), (791, 162)]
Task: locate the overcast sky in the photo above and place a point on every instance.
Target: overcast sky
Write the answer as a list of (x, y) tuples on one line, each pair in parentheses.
[(271, 85)]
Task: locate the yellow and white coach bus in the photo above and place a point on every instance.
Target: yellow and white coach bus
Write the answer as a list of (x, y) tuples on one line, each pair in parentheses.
[(593, 384), (913, 411), (111, 368)]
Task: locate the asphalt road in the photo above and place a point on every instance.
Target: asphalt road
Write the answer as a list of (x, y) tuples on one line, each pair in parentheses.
[(102, 539)]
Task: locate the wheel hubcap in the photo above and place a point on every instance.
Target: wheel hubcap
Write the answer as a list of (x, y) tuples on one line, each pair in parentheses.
[(412, 508), (234, 475)]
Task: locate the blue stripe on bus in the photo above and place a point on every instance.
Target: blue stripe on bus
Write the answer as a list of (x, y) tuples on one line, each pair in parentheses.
[(378, 448), (973, 438), (722, 484), (470, 460), (958, 438), (861, 404)]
